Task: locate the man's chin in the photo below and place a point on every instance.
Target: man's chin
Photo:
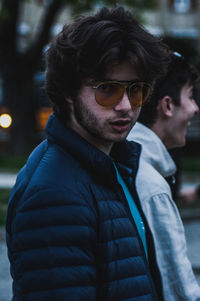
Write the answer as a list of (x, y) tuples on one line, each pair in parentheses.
[(120, 139), (180, 143)]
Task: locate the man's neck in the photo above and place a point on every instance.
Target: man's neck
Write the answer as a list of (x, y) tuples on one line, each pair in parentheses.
[(91, 138)]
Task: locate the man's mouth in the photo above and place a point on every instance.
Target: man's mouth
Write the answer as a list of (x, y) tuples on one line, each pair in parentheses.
[(120, 125)]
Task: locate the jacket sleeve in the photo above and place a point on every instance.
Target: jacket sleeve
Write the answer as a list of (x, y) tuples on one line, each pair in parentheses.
[(52, 247), (171, 251)]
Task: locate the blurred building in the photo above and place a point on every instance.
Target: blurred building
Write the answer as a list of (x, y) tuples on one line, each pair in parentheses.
[(176, 18)]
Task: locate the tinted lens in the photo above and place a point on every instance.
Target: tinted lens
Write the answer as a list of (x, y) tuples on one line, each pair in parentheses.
[(139, 93), (146, 92), (108, 94)]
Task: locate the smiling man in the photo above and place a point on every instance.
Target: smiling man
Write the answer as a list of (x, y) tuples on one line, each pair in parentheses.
[(71, 232), (162, 125)]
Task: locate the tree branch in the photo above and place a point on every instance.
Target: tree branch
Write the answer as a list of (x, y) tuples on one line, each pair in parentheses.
[(8, 29), (42, 38)]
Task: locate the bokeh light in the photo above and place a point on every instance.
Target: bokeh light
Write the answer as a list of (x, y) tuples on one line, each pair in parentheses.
[(5, 120)]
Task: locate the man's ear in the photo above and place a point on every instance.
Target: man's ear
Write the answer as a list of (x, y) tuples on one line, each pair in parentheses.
[(167, 106)]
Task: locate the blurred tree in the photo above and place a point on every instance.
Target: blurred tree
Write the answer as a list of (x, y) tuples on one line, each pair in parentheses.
[(18, 66)]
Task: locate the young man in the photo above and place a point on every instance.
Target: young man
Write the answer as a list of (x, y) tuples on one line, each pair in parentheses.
[(162, 125), (70, 232)]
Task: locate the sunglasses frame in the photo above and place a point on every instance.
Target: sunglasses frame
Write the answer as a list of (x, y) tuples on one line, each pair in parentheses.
[(126, 88)]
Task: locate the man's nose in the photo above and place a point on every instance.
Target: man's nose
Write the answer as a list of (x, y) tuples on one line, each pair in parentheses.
[(124, 103), (196, 108)]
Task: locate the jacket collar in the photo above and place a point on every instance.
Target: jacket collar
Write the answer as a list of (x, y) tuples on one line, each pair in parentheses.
[(126, 154), (153, 149)]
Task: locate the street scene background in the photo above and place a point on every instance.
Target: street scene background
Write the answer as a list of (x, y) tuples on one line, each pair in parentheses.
[(26, 28)]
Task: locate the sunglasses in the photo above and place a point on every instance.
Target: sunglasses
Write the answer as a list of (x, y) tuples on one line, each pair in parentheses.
[(109, 93)]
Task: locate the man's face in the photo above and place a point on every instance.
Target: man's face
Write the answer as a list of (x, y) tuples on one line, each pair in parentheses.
[(100, 125), (181, 117)]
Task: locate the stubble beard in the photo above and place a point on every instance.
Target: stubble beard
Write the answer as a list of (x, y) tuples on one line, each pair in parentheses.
[(91, 124), (88, 121)]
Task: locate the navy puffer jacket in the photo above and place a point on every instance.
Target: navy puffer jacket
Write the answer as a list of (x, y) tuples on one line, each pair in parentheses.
[(70, 234)]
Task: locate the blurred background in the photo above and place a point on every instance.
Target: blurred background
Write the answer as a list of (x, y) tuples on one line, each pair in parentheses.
[(26, 27)]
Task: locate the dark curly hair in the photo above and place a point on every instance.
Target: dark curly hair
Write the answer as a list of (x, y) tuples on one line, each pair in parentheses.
[(179, 73), (87, 48)]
